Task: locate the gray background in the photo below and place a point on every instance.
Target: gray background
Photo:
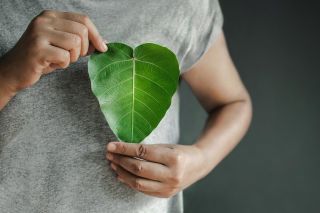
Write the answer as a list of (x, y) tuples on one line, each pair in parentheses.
[(276, 167)]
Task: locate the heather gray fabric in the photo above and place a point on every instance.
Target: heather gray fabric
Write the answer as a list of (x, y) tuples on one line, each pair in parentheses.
[(53, 135)]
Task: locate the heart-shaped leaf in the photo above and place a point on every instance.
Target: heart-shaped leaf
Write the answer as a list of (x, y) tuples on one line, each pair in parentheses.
[(134, 87)]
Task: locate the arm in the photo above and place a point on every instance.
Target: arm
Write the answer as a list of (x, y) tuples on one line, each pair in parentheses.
[(166, 168), (5, 92), (218, 87)]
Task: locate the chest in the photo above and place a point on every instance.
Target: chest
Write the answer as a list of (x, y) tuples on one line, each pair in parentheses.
[(133, 22), (63, 98)]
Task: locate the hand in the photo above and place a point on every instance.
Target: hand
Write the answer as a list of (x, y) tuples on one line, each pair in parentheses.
[(52, 40), (160, 170)]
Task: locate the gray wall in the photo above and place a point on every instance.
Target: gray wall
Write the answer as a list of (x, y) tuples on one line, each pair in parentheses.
[(276, 167)]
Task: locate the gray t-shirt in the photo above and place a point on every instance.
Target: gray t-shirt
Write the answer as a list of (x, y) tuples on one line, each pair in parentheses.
[(53, 135)]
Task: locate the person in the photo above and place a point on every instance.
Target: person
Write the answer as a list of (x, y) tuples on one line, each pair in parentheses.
[(57, 153)]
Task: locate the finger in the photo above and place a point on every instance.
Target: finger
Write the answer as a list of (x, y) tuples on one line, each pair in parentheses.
[(141, 168), (57, 57), (93, 33), (74, 28), (91, 49), (137, 183), (159, 153), (67, 41)]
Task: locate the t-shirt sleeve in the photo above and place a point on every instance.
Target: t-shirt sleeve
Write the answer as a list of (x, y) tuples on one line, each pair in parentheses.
[(205, 25)]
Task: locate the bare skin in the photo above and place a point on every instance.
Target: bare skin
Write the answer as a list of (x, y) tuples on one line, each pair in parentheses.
[(52, 40), (167, 169), (56, 39)]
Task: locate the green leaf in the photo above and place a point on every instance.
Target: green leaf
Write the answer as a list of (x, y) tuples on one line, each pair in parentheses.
[(134, 87)]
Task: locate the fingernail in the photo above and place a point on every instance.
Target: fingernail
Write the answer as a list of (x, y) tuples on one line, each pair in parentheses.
[(111, 147), (109, 156), (104, 46)]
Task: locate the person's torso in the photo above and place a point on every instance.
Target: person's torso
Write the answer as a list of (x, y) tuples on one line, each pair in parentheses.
[(53, 135)]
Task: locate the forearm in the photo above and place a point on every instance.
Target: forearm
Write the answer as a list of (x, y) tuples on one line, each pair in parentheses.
[(6, 93), (5, 96), (224, 129)]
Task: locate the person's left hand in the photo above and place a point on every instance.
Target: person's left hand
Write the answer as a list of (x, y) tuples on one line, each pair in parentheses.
[(160, 170)]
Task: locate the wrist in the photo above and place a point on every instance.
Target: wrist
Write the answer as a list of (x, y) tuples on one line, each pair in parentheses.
[(7, 83), (204, 163), (5, 94), (7, 91)]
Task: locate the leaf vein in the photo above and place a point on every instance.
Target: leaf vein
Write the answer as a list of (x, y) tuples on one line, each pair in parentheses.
[(149, 95), (155, 115), (112, 102), (154, 83), (120, 119), (150, 63), (115, 86), (103, 68), (117, 72), (123, 53), (144, 119), (140, 130)]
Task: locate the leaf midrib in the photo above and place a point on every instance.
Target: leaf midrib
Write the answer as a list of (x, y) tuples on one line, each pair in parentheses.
[(144, 104), (133, 93)]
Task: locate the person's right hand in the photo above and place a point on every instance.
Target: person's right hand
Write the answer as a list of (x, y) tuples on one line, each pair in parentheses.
[(52, 40)]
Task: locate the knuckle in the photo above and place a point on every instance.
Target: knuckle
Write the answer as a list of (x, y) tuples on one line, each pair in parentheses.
[(65, 55), (176, 179), (76, 40), (37, 22), (73, 58), (38, 41), (47, 13), (177, 157), (141, 151), (84, 31), (122, 148), (65, 64), (65, 59), (85, 18), (137, 168), (137, 184), (43, 61)]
